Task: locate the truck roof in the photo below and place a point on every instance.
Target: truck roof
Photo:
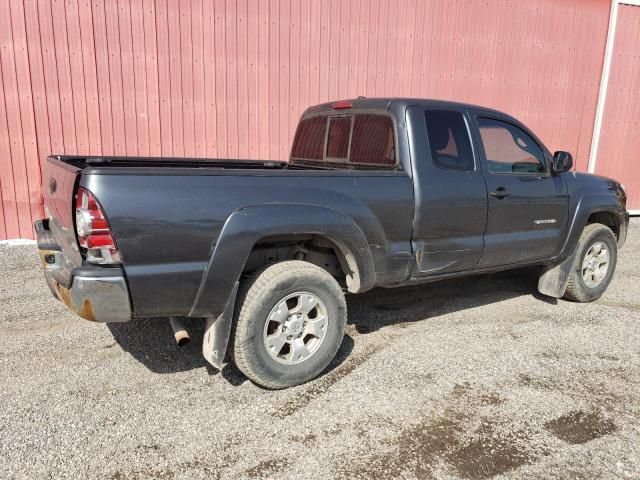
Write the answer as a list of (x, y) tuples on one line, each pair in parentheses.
[(385, 103)]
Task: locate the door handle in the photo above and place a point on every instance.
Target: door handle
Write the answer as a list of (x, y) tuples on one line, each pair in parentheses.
[(500, 193)]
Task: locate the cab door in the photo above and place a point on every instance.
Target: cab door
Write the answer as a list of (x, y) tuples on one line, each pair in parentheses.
[(527, 204), (450, 192)]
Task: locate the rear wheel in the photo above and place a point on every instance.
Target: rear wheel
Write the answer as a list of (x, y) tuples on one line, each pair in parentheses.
[(594, 265), (289, 323)]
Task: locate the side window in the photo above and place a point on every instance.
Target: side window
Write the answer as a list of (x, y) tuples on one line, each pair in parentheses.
[(449, 140), (308, 143), (508, 149)]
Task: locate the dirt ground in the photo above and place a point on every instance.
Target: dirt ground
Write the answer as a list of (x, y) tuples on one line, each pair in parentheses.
[(471, 379)]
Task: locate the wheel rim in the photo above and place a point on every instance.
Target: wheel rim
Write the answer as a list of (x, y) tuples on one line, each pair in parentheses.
[(295, 328), (595, 264)]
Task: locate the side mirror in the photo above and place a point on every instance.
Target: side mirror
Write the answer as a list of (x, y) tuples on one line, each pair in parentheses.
[(562, 162)]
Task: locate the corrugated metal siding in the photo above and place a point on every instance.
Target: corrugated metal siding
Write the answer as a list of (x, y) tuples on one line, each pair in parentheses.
[(230, 78), (619, 150)]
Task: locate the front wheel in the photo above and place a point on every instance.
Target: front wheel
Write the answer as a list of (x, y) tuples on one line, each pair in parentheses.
[(289, 323), (594, 265)]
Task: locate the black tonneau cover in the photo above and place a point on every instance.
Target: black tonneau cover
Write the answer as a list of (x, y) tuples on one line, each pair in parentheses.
[(103, 161)]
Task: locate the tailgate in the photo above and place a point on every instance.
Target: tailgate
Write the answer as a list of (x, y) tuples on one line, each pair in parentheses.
[(58, 184)]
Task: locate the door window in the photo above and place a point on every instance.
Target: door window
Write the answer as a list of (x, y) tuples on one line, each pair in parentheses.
[(508, 149), (449, 140)]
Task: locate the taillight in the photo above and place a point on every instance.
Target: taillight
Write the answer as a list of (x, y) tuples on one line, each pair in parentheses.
[(93, 230)]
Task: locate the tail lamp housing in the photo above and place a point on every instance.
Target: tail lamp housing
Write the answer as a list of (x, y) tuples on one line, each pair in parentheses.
[(92, 229)]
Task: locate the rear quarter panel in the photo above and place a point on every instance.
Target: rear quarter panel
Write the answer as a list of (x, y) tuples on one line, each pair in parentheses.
[(166, 224)]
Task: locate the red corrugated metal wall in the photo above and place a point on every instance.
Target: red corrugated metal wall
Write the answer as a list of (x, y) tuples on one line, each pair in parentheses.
[(230, 78), (619, 150)]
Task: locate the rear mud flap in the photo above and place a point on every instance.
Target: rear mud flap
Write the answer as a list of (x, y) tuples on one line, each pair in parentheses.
[(553, 282), (217, 331)]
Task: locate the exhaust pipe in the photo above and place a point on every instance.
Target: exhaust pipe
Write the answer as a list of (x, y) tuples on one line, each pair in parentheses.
[(179, 331)]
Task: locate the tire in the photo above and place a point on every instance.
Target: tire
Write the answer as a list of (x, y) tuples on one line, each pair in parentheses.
[(261, 297), (578, 289)]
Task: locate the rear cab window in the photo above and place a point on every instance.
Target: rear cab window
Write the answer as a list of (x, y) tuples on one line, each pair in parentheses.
[(357, 140)]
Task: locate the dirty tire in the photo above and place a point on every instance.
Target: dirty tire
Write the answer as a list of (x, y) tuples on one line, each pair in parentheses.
[(577, 289), (257, 296)]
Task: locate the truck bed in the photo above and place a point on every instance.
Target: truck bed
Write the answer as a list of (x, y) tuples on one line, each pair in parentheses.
[(167, 214)]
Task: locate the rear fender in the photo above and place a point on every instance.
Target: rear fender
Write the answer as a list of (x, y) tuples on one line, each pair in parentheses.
[(244, 228)]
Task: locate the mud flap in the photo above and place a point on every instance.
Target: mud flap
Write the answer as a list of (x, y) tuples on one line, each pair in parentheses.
[(553, 282), (216, 333)]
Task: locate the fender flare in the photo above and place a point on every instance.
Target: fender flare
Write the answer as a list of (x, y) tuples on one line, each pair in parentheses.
[(244, 228), (587, 206)]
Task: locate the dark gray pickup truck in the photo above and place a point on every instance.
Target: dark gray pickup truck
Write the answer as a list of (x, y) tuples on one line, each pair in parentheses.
[(377, 193)]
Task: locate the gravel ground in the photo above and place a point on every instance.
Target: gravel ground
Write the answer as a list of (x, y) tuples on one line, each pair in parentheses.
[(472, 378)]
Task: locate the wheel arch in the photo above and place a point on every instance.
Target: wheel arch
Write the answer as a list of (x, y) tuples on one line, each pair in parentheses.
[(249, 226), (598, 208), (606, 218), (310, 247)]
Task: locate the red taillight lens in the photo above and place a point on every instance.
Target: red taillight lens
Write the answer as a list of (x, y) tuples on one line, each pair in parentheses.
[(94, 241), (93, 230)]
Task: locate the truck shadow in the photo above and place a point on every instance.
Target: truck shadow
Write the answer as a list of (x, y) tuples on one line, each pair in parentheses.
[(382, 307), (150, 341)]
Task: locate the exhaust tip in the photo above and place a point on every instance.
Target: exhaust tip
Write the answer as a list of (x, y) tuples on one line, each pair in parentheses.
[(180, 332), (182, 338)]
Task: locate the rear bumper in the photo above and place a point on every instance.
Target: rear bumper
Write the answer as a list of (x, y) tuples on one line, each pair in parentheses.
[(99, 299), (99, 294)]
